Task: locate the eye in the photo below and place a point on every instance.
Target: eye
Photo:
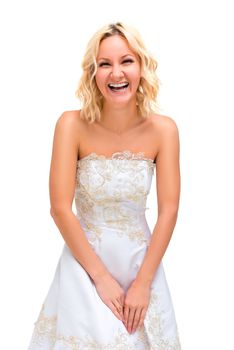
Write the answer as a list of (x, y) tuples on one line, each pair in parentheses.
[(103, 64), (129, 60)]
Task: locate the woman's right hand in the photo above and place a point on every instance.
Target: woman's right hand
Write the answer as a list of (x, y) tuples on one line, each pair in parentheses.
[(111, 293)]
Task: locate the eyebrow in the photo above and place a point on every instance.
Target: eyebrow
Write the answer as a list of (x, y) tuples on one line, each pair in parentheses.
[(104, 58)]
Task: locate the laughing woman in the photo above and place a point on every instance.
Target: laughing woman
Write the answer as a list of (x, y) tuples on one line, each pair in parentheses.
[(109, 290)]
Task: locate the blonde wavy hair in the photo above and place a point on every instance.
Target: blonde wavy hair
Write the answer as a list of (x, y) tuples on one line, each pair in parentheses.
[(87, 90)]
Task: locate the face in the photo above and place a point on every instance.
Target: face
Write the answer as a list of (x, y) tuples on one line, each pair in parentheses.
[(118, 72)]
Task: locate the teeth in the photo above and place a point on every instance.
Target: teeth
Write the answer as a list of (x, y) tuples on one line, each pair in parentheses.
[(118, 85)]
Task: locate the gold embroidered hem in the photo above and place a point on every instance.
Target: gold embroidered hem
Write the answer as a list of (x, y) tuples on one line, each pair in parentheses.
[(45, 334)]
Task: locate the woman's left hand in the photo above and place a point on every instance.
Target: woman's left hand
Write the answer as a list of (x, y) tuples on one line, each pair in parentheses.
[(135, 306)]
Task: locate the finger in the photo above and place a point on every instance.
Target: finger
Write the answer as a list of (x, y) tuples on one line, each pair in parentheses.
[(125, 314), (130, 319), (122, 299), (114, 310), (142, 317), (118, 309), (136, 319), (121, 303)]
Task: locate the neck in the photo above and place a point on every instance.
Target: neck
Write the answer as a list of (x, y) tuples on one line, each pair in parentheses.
[(119, 119)]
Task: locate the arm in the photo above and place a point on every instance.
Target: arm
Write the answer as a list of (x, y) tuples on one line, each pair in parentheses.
[(168, 193), (62, 187)]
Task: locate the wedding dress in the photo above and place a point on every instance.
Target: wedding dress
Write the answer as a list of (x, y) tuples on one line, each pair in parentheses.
[(110, 199)]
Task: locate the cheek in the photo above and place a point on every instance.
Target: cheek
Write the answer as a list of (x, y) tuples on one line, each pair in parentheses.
[(97, 78), (136, 78), (100, 79), (135, 75)]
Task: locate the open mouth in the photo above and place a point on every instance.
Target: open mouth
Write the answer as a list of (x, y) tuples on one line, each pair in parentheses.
[(118, 87)]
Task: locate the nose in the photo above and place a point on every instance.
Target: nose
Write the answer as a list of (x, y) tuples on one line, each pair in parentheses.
[(116, 72)]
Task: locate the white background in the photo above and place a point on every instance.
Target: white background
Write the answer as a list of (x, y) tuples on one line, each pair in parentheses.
[(42, 45)]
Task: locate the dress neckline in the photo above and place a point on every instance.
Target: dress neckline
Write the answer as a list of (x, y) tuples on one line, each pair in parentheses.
[(126, 154)]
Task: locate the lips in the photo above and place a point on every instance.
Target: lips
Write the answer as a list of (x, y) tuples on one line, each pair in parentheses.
[(118, 86)]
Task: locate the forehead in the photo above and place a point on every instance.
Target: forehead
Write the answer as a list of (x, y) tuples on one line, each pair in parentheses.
[(114, 46)]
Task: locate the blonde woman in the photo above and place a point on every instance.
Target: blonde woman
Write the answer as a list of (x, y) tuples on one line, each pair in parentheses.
[(109, 290)]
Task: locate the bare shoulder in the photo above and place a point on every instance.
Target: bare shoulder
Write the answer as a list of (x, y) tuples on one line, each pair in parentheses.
[(165, 132), (164, 124), (71, 118), (72, 123)]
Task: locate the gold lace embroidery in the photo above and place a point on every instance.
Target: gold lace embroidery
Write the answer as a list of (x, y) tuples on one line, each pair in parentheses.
[(126, 154), (45, 328), (155, 324), (105, 185), (119, 342)]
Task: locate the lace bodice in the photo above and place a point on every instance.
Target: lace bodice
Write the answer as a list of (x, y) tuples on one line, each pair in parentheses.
[(119, 155), (111, 192)]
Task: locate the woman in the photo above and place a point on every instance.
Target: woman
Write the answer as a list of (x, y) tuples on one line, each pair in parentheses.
[(109, 290)]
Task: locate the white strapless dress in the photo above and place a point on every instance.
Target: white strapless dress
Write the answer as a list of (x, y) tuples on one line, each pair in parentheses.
[(110, 198)]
